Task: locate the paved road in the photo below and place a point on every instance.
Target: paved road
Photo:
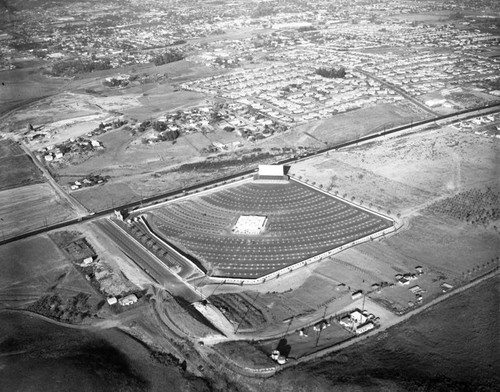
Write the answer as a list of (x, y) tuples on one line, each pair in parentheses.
[(149, 263)]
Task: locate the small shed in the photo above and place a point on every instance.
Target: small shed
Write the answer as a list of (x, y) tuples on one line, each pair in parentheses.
[(346, 321), (357, 294), (364, 328), (128, 300)]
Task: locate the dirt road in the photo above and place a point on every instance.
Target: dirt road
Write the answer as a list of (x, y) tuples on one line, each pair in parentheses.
[(82, 211)]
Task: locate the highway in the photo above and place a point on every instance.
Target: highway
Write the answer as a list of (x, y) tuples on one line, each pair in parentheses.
[(416, 126), (147, 262)]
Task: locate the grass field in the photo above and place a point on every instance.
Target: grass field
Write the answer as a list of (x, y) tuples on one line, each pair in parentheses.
[(25, 259), (56, 358), (8, 148), (352, 125), (106, 196), (31, 207), (23, 85), (16, 168)]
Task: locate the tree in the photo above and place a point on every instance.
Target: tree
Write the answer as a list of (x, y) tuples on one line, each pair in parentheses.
[(331, 73), (159, 126)]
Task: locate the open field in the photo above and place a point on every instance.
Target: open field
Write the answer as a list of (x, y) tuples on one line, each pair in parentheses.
[(354, 124), (16, 168), (31, 207), (24, 259), (156, 100), (56, 358), (21, 85), (404, 172), (245, 354), (301, 223), (105, 196), (35, 267)]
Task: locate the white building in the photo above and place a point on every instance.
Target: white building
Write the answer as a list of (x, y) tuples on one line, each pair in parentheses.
[(128, 300), (364, 328)]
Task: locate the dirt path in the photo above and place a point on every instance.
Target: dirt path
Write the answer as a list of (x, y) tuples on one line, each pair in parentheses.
[(79, 208)]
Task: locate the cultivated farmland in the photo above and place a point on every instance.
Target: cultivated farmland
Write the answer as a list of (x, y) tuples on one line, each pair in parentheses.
[(31, 207)]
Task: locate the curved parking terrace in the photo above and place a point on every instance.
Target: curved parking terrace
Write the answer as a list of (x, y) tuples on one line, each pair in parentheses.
[(302, 222)]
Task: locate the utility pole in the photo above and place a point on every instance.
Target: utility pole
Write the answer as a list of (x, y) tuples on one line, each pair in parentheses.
[(216, 287), (245, 315)]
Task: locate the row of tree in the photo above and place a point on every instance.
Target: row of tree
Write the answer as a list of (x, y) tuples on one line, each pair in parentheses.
[(72, 67)]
